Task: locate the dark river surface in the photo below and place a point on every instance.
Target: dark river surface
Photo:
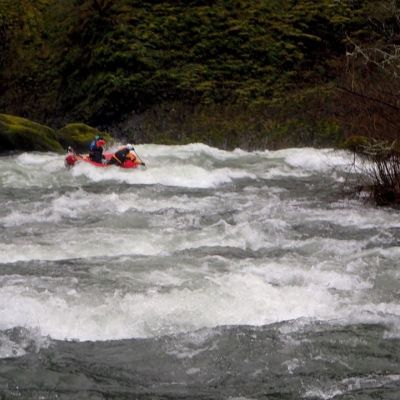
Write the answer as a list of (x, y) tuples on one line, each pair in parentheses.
[(207, 275)]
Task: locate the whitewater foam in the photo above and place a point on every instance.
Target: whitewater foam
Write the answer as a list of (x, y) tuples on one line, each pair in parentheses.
[(201, 238)]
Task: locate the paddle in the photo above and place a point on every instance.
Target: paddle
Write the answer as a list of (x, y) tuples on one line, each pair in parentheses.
[(137, 155)]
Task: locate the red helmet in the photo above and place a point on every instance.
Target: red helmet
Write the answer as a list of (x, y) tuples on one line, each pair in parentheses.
[(101, 143)]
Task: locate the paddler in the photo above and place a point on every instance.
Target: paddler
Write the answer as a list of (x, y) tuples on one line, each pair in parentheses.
[(96, 151), (123, 154)]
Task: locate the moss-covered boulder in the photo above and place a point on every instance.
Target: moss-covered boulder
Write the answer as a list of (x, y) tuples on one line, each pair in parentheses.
[(18, 133), (79, 136)]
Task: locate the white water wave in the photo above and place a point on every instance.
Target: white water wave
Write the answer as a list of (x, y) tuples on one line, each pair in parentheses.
[(195, 165), (200, 238)]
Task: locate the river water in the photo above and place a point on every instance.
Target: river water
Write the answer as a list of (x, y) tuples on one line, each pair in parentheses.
[(208, 274)]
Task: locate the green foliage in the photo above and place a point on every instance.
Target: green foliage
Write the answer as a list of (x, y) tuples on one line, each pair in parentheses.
[(24, 69), (100, 60), (273, 124), (21, 134)]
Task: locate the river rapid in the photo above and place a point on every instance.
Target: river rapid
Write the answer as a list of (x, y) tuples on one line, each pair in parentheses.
[(208, 274)]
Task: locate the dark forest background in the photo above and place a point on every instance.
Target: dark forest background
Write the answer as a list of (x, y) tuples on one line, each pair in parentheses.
[(247, 73)]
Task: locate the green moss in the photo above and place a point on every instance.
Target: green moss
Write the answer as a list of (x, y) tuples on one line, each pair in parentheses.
[(18, 133), (79, 136)]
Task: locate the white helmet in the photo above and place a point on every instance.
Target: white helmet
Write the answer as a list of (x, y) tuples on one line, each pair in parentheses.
[(129, 146)]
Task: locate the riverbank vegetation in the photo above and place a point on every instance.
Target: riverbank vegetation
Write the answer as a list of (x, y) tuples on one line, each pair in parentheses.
[(218, 71), (251, 74), (371, 82), (378, 164)]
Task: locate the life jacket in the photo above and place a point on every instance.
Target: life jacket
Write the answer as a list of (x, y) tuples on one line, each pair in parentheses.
[(120, 155), (96, 155), (92, 145)]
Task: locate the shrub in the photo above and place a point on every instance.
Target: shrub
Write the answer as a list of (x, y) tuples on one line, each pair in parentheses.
[(380, 170)]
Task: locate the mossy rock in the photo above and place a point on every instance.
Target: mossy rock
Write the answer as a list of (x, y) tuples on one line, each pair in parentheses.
[(18, 133), (79, 136)]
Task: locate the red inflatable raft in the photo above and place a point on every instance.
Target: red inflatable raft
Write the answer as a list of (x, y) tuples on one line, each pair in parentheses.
[(72, 158)]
